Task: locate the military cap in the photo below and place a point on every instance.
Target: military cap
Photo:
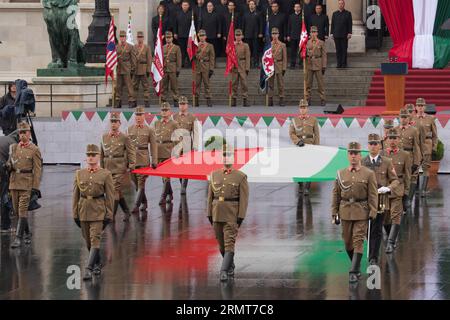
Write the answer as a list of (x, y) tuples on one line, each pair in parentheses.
[(23, 126), (168, 34), (314, 29), (238, 32), (354, 147), (201, 32), (392, 133), (373, 137), (183, 100), (303, 103), (140, 34), (420, 102), (92, 149), (139, 110), (404, 113), (122, 33), (275, 30), (165, 106), (388, 124), (115, 116)]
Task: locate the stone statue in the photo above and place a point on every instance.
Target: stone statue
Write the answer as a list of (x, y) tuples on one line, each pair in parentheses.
[(67, 49)]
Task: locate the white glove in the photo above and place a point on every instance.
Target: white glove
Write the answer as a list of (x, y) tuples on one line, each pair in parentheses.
[(384, 190)]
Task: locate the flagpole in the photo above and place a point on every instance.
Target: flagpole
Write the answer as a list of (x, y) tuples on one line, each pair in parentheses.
[(113, 90), (304, 58), (193, 69), (231, 75), (164, 61), (262, 64)]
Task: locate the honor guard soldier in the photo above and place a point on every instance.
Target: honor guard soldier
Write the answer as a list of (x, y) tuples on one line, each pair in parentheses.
[(388, 125), (204, 67), (92, 205), (316, 64), (304, 129), (172, 65), (426, 124), (411, 108), (144, 62), (387, 182), (279, 54), (126, 67), (402, 163), (187, 128), (239, 74), (410, 142), (164, 132), (143, 139), (354, 201), (25, 165), (227, 207), (118, 155)]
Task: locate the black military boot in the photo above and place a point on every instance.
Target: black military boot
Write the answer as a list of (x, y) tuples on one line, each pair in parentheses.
[(139, 199), (196, 102), (301, 187), (270, 102), (392, 238), (27, 233), (144, 201), (125, 209), (163, 194), (417, 190), (146, 104), (132, 104), (90, 267), (307, 187), (19, 234), (226, 265), (406, 204), (412, 191), (245, 102), (423, 187), (350, 254), (98, 263), (355, 272), (233, 102), (282, 102), (184, 184), (209, 102), (169, 197), (387, 229)]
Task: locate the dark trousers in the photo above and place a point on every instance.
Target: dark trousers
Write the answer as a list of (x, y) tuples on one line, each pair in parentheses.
[(254, 49), (341, 51), (376, 235), (5, 206), (216, 44), (294, 51), (183, 46)]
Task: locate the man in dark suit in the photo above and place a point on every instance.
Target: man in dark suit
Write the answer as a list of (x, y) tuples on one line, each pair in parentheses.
[(278, 20), (309, 7), (294, 31), (212, 24), (172, 7), (164, 21), (341, 31), (199, 12), (320, 20), (287, 6), (181, 30), (252, 26)]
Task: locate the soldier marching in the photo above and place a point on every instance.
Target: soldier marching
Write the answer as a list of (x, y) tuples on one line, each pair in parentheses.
[(126, 67)]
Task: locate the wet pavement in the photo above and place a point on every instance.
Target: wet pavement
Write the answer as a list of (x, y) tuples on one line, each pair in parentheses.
[(287, 249)]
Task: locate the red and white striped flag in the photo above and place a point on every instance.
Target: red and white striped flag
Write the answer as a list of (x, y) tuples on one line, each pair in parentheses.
[(111, 53), (192, 41), (158, 61), (231, 50), (303, 40)]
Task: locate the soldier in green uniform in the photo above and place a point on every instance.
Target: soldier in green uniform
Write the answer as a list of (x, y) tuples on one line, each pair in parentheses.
[(187, 131), (279, 54), (92, 206), (239, 74), (316, 64), (204, 67), (142, 137), (402, 163), (143, 65), (427, 125), (118, 155), (25, 166), (410, 142), (227, 206), (387, 182), (304, 129), (355, 198), (126, 67), (164, 131), (172, 65)]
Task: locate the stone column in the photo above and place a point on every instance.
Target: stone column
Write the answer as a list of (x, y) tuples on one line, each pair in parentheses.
[(357, 44)]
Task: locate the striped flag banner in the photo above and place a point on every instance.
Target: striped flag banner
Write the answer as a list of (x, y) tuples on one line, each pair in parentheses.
[(111, 52), (157, 69)]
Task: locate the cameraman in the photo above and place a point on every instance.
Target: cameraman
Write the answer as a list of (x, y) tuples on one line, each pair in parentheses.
[(9, 99)]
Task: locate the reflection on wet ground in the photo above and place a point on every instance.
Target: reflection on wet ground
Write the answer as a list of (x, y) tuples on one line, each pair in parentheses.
[(287, 249)]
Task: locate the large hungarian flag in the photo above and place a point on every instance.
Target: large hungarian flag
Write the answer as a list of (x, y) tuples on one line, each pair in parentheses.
[(231, 50), (157, 69), (292, 164), (303, 40), (415, 28), (192, 41)]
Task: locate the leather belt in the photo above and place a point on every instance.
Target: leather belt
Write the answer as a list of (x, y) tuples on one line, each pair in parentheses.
[(142, 62), (23, 171), (428, 138), (307, 136), (92, 197), (142, 148), (226, 199), (115, 157), (168, 141), (203, 60), (408, 149), (242, 59), (353, 200)]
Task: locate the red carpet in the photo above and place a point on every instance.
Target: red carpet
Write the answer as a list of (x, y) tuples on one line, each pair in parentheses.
[(433, 85)]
